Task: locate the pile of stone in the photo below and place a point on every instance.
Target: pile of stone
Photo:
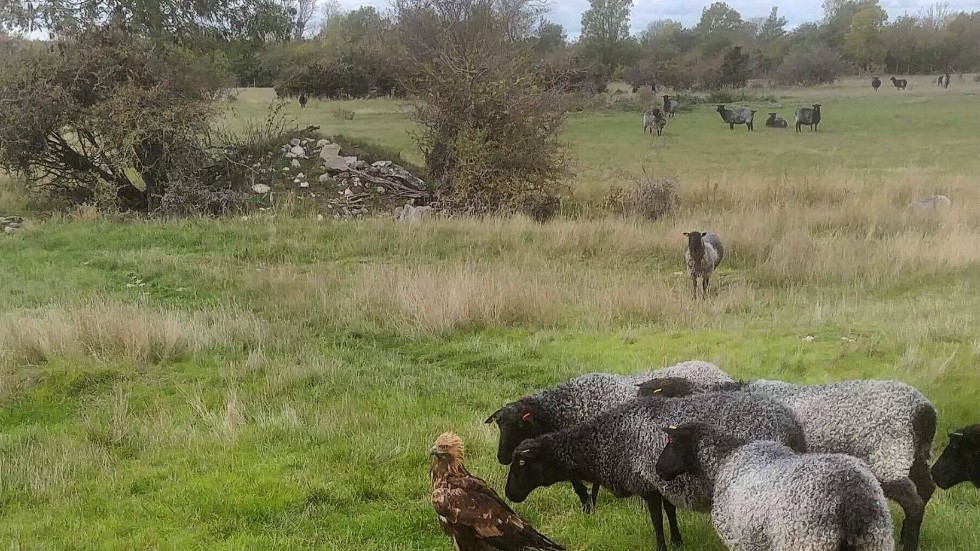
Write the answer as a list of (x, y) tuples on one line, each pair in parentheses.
[(10, 224)]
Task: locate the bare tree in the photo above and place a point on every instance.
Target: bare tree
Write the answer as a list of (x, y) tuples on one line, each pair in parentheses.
[(937, 15), (302, 13)]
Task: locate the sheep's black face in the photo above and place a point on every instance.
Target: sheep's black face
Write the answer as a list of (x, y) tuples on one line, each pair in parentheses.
[(960, 461), (517, 423), (666, 387), (694, 240), (532, 467), (680, 454)]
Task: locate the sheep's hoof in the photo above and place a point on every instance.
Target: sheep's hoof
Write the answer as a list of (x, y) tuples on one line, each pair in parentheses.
[(678, 543), (588, 507)]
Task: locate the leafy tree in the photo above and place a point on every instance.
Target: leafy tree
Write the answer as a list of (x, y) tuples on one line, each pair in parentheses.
[(810, 64), (772, 27), (185, 22), (734, 68), (718, 17), (550, 37), (863, 42), (605, 28), (108, 118)]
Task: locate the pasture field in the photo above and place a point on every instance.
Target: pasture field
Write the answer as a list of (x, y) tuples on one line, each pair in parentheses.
[(275, 382)]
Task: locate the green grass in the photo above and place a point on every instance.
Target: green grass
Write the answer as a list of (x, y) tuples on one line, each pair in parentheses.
[(275, 383)]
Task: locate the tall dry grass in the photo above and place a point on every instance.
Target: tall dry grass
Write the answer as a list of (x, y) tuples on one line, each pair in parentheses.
[(108, 330)]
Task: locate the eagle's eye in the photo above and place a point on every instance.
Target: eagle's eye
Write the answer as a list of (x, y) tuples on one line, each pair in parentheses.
[(521, 463)]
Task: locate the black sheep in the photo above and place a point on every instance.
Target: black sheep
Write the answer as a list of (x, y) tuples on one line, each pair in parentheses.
[(960, 461), (875, 83), (302, 100), (900, 83), (808, 116)]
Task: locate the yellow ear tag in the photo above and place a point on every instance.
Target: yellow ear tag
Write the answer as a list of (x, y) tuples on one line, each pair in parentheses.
[(658, 390), (672, 427)]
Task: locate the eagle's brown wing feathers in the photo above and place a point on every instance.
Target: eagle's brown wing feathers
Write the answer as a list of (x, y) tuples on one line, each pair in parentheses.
[(470, 511)]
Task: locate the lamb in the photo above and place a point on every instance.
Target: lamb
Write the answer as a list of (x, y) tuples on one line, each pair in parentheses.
[(703, 254), (811, 117), (619, 450), (900, 83), (887, 424), (768, 497), (654, 119), (670, 106), (737, 115), (775, 121), (579, 400), (960, 461), (875, 83)]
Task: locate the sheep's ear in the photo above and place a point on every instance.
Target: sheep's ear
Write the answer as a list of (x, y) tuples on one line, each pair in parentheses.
[(526, 417), (528, 453), (955, 436), (493, 416), (687, 234)]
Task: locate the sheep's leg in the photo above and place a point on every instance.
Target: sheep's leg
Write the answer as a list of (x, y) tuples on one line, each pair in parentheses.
[(595, 495), (923, 479), (655, 504), (904, 493), (675, 532), (731, 126), (704, 286), (694, 284), (583, 495)]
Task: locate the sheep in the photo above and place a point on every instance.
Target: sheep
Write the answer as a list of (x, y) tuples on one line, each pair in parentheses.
[(582, 399), (945, 81), (302, 100), (900, 83), (670, 106), (939, 81), (875, 83), (887, 424), (960, 461), (620, 448), (703, 254), (766, 496), (808, 116), (775, 121), (737, 115), (654, 119)]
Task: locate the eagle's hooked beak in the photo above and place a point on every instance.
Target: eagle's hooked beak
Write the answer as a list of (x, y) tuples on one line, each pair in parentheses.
[(434, 451)]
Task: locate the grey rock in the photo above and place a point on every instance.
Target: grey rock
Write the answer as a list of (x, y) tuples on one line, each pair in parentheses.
[(298, 151), (294, 142), (335, 163), (322, 143), (329, 150), (261, 188), (295, 163), (324, 178), (410, 213)]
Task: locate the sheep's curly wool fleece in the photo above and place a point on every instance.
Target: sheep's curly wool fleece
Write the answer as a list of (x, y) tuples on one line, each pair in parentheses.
[(870, 420), (619, 449), (768, 497)]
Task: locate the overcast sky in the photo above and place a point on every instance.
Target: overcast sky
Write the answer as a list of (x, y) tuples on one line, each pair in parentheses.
[(569, 12)]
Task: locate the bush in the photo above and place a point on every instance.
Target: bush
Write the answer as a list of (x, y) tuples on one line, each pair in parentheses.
[(108, 119), (344, 114), (491, 142), (810, 65)]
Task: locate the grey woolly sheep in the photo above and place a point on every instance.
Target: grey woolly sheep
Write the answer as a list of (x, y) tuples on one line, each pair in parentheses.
[(887, 424), (703, 254), (775, 121), (654, 119), (619, 450), (768, 497), (670, 106), (737, 115), (579, 400), (960, 461), (875, 83), (808, 116), (900, 83)]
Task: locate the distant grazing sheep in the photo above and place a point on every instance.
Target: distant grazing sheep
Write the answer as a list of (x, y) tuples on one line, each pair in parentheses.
[(302, 100), (875, 83), (900, 83), (808, 116), (775, 121), (670, 106), (960, 461), (945, 80), (703, 254), (765, 496), (737, 115), (654, 119)]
